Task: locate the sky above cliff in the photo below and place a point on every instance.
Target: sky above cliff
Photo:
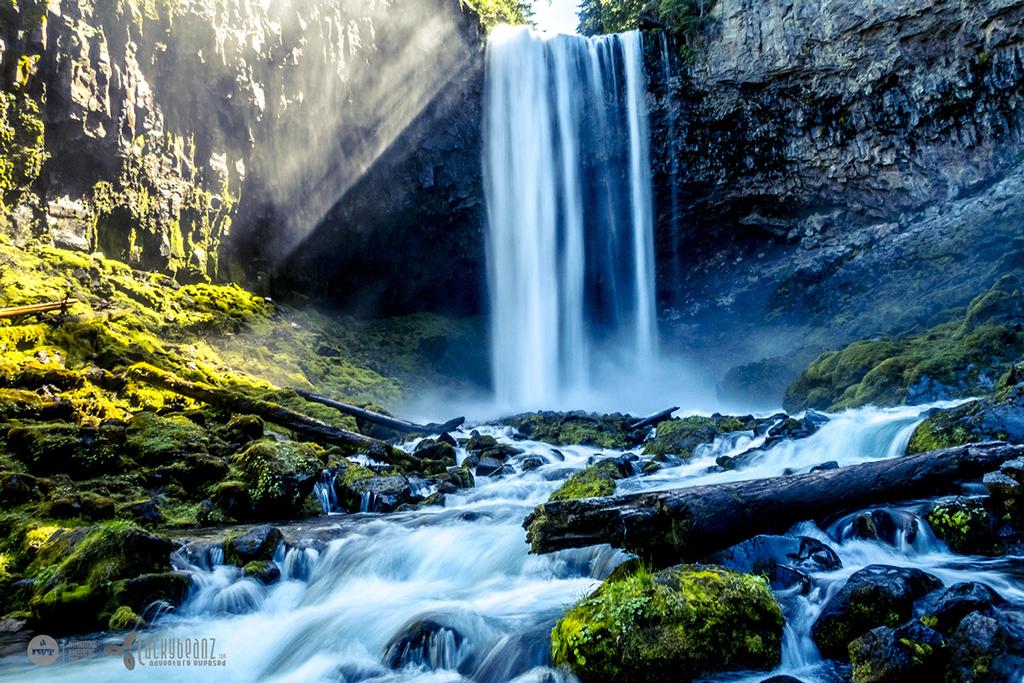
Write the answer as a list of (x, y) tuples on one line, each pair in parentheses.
[(557, 16)]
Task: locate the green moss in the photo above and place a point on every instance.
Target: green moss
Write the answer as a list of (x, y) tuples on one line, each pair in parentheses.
[(681, 436), (155, 439), (577, 428), (594, 481), (124, 619), (964, 525), (279, 474), (960, 358), (678, 624)]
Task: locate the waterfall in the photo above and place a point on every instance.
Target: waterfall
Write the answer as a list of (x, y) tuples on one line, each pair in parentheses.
[(570, 248)]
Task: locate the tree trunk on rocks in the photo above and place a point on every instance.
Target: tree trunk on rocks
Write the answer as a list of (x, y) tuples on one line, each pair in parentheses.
[(392, 423), (680, 525), (309, 427), (654, 420)]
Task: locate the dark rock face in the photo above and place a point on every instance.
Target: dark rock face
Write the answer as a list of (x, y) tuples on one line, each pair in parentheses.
[(834, 157), (226, 139), (874, 596)]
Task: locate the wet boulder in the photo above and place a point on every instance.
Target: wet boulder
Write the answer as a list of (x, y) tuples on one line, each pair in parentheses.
[(680, 623), (440, 451), (264, 571), (491, 467), (480, 442), (945, 608), (877, 595), (425, 643), (145, 511), (163, 588), (259, 543), (965, 525), (887, 525), (776, 556), (532, 462), (360, 489), (279, 476), (912, 652), (988, 648)]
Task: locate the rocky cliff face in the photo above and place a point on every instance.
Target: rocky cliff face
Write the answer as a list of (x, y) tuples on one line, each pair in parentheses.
[(230, 138), (839, 169)]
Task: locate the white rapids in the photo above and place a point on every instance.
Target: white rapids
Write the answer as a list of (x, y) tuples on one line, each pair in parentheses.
[(462, 576)]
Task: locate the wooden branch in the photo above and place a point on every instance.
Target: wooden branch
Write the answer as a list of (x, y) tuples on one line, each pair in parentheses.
[(654, 420), (15, 311), (687, 524), (308, 427), (391, 423)]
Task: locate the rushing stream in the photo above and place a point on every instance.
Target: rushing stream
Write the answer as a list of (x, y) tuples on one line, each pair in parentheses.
[(459, 579)]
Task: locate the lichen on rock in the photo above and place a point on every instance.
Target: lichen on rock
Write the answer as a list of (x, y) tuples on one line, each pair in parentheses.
[(677, 624)]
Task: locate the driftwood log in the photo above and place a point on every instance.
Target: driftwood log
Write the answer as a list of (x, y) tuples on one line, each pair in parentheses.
[(687, 524), (392, 423), (654, 420), (309, 427), (31, 309)]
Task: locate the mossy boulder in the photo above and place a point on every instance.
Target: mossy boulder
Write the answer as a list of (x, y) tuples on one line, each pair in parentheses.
[(264, 571), (680, 437), (578, 428), (155, 439), (125, 619), (256, 545), (87, 505), (57, 447), (963, 357), (966, 525), (912, 652), (877, 595), (997, 418), (361, 489), (590, 482), (78, 573), (280, 475), (678, 624)]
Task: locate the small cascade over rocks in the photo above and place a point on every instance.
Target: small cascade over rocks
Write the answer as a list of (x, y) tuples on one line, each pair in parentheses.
[(451, 592), (570, 246)]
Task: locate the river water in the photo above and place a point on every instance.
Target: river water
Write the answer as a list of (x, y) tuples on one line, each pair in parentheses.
[(485, 606)]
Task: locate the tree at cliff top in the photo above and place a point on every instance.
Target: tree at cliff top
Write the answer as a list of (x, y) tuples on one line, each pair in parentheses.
[(682, 18), (494, 12)]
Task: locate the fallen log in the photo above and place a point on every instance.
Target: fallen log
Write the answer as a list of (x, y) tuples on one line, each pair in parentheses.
[(687, 524), (387, 421), (654, 420), (15, 311), (309, 427)]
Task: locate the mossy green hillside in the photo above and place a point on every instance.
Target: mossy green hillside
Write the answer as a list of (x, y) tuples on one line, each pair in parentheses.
[(996, 418), (964, 357), (677, 624)]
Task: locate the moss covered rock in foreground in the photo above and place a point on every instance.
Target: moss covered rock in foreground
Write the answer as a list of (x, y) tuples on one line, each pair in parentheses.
[(677, 624), (964, 357)]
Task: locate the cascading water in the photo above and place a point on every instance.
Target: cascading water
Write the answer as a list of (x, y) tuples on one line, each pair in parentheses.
[(570, 248), (452, 594)]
